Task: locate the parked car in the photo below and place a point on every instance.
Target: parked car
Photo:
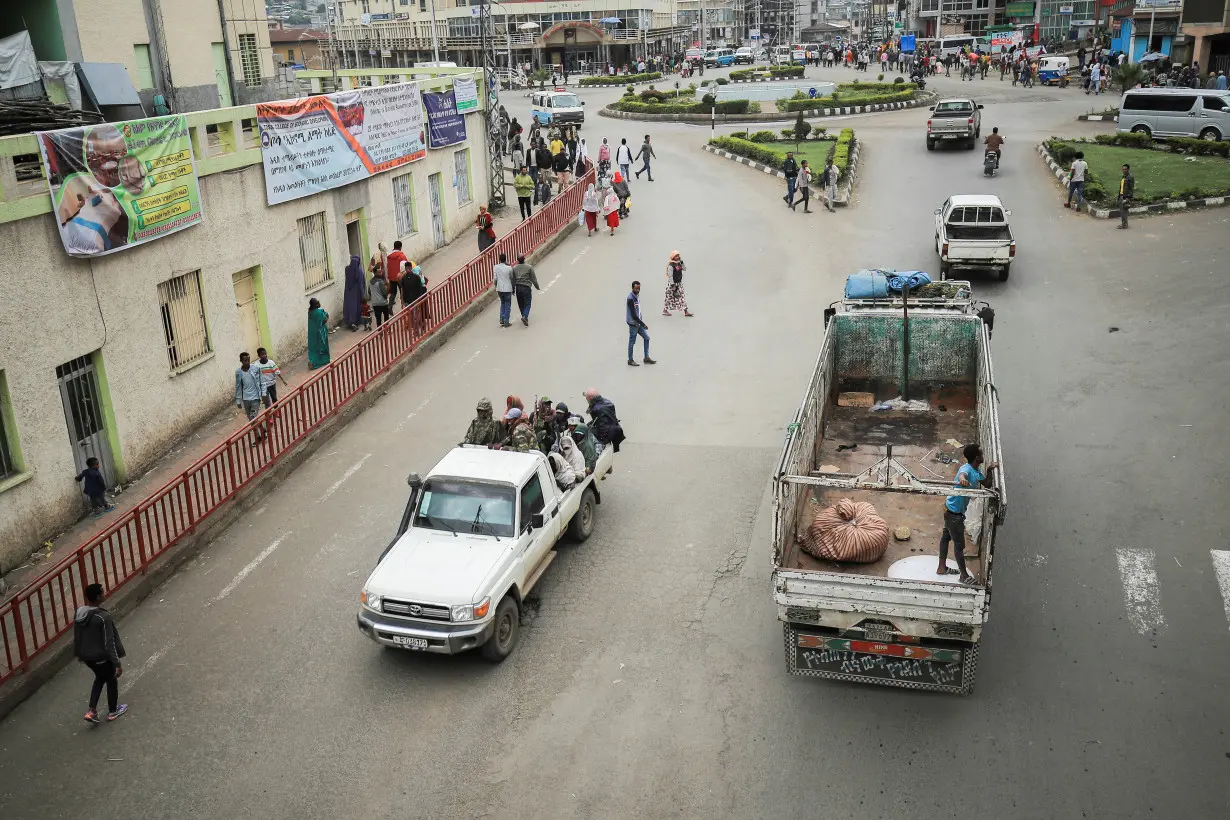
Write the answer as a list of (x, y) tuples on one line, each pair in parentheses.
[(745, 56), (956, 118), (1176, 112)]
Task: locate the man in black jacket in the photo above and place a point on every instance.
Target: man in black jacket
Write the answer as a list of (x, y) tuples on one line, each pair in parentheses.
[(791, 169), (96, 643), (546, 164), (604, 423)]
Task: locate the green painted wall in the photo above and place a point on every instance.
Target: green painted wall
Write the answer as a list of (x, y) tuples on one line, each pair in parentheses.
[(43, 21), (113, 430)]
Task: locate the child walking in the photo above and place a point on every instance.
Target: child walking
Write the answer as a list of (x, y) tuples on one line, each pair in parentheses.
[(95, 487)]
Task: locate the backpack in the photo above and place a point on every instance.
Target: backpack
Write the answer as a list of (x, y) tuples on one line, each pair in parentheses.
[(676, 273)]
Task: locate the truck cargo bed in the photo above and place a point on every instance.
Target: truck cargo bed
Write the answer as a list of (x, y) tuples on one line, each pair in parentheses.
[(917, 438)]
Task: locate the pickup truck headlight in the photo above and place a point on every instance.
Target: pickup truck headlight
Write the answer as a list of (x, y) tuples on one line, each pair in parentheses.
[(473, 612), (370, 600)]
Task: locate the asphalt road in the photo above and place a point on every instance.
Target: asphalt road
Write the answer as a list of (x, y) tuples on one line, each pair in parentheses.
[(650, 680)]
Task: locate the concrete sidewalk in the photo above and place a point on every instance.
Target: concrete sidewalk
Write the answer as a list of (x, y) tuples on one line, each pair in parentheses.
[(437, 267)]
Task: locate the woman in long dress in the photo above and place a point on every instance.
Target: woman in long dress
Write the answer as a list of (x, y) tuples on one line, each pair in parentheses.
[(676, 298), (352, 297), (413, 285), (486, 229), (591, 207), (318, 335), (610, 208)]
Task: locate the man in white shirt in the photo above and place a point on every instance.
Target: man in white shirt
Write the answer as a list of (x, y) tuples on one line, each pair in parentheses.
[(502, 277), (623, 158), (1076, 180)]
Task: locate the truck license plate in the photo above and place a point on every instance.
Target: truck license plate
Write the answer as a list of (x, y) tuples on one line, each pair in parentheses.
[(410, 643)]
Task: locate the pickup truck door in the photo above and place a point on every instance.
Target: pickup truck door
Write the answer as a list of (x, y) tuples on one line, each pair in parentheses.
[(538, 495), (940, 214)]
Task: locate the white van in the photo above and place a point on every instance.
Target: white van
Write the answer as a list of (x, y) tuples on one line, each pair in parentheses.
[(951, 45), (1176, 112), (557, 107)]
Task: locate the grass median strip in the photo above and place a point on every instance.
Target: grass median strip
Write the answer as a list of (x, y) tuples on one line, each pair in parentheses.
[(1159, 174)]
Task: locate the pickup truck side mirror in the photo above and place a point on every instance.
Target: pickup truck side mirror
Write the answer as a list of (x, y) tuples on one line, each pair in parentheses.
[(932, 108), (1007, 213), (582, 102), (980, 106), (938, 211), (537, 521)]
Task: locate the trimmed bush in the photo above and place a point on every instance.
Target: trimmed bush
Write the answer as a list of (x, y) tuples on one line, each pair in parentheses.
[(650, 94), (746, 73), (708, 99), (1198, 147), (619, 79), (780, 71), (801, 128), (636, 106), (838, 99), (899, 81), (879, 78), (840, 152), (762, 136), (744, 148), (1129, 140)]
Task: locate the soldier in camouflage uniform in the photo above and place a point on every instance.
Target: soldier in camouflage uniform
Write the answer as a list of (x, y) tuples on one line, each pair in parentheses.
[(484, 429), (521, 434), (544, 425)]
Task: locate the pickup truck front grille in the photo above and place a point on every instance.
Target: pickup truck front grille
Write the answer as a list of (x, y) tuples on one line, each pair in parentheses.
[(408, 609)]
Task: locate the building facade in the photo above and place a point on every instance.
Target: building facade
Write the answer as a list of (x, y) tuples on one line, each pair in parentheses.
[(193, 54), (1205, 29), (124, 355), (300, 48)]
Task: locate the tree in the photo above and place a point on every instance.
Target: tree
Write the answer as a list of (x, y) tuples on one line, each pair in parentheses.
[(801, 129), (1129, 75)]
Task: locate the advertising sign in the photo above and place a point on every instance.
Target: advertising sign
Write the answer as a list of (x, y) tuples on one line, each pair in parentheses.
[(119, 184), (908, 42), (1004, 40), (466, 92), (1065, 9), (327, 141), (444, 125), (1019, 9)]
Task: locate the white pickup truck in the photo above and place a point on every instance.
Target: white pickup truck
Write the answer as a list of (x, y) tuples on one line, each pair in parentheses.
[(477, 533), (972, 233)]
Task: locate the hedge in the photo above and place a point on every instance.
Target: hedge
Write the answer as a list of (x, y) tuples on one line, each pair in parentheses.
[(1064, 152), (623, 79), (839, 100), (786, 71), (745, 73), (839, 153), (635, 106)]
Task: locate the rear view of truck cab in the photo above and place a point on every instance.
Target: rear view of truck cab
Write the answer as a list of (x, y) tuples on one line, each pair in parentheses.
[(898, 390)]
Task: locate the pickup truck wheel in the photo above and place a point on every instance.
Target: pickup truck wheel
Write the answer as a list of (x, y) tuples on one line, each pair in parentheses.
[(1003, 272), (507, 629), (582, 526), (930, 145)]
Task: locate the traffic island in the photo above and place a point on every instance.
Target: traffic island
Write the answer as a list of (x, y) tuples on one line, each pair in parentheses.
[(1179, 175), (866, 100), (768, 156)]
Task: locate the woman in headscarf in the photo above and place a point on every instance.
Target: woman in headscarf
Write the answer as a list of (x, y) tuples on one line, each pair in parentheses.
[(380, 260), (620, 186), (590, 205), (676, 299), (582, 158), (604, 158), (511, 402), (610, 208), (318, 335), (486, 229), (352, 296)]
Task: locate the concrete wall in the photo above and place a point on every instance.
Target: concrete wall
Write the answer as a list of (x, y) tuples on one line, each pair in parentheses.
[(54, 308), (108, 29)]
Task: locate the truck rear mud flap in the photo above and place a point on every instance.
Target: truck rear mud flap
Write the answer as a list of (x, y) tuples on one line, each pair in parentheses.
[(931, 665)]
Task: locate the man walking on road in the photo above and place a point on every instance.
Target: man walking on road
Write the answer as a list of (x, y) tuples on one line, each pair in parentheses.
[(249, 390), (623, 157), (828, 181), (96, 643), (397, 260), (1076, 180), (270, 374), (523, 277), (645, 154), (636, 325), (1127, 187), (791, 170), (954, 513), (502, 275)]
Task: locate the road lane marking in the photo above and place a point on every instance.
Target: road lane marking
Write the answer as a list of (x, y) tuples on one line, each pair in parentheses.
[(552, 282), (577, 258), (1141, 591), (243, 573), (423, 404), (354, 468), (1221, 566), (129, 679), (474, 356)]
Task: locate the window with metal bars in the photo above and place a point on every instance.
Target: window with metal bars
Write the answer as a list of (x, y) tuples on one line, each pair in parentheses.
[(250, 58), (183, 319), (314, 250), (403, 205), (10, 459), (461, 165)]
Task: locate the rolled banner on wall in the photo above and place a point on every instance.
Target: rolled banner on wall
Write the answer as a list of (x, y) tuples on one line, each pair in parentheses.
[(119, 184)]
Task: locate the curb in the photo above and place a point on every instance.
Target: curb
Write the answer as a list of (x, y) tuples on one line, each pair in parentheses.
[(1098, 117), (1139, 210), (46, 665), (923, 99), (768, 79), (844, 191)]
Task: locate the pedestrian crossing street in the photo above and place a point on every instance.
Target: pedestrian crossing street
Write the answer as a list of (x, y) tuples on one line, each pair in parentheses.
[(1143, 599)]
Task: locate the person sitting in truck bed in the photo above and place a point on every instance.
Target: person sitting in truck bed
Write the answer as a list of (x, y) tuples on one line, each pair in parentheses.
[(565, 474), (484, 429), (954, 513), (584, 439), (520, 433), (571, 451)]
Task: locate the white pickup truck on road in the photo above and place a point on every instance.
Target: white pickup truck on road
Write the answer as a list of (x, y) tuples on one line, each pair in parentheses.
[(478, 532), (972, 233)]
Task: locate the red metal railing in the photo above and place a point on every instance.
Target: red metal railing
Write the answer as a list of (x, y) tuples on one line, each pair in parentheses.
[(39, 614)]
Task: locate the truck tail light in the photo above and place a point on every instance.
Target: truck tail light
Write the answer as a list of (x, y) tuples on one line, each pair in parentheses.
[(971, 120), (944, 252), (928, 126), (1012, 251)]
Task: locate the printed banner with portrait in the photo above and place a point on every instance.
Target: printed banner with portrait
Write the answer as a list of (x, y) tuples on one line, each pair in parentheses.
[(115, 185), (444, 125), (327, 141)]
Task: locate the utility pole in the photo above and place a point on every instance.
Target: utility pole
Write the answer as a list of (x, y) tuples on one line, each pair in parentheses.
[(491, 105), (435, 40)]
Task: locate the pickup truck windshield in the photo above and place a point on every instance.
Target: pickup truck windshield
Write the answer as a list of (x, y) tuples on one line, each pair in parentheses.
[(958, 107), (456, 506)]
